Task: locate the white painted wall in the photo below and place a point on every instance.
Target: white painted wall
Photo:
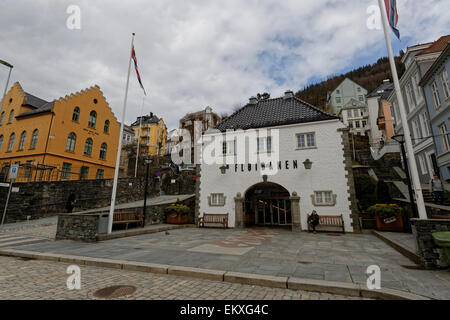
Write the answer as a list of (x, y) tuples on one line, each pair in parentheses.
[(327, 173), (375, 133)]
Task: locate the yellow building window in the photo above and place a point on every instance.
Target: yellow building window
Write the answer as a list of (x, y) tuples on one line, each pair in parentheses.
[(88, 147), (34, 139), (92, 119)]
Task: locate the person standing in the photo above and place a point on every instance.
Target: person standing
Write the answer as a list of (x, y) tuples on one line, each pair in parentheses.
[(313, 220), (71, 202), (437, 189)]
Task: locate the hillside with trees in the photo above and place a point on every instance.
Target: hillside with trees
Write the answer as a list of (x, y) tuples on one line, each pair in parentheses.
[(369, 77)]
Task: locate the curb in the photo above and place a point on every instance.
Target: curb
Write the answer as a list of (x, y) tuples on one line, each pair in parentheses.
[(414, 257), (321, 286), (138, 232)]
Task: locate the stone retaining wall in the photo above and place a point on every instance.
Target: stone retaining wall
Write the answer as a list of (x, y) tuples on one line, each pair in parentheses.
[(431, 255), (84, 227), (42, 199)]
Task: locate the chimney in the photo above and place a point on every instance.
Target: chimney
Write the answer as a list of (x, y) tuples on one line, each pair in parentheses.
[(288, 95), (253, 100), (386, 81)]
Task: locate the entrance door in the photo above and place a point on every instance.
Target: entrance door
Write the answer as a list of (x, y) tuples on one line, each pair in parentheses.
[(273, 211)]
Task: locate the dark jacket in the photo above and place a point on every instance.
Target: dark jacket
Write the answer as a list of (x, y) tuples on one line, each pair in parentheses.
[(70, 202), (313, 218)]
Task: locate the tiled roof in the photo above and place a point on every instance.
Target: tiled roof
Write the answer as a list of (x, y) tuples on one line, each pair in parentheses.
[(33, 101), (274, 112), (47, 107), (434, 67), (146, 120), (437, 46), (382, 91)]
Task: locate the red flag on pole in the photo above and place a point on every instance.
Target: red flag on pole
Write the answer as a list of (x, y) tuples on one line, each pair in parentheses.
[(133, 55)]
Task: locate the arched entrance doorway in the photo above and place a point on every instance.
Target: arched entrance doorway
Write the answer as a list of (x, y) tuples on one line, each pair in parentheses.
[(267, 204)]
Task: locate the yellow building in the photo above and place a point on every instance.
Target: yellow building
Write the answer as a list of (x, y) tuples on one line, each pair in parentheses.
[(153, 135), (71, 138)]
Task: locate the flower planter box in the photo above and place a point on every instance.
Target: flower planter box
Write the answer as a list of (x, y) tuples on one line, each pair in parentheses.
[(177, 218), (390, 224)]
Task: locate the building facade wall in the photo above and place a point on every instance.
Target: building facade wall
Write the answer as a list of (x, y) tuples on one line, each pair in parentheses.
[(375, 134), (328, 173), (440, 118), (417, 117), (54, 128), (153, 138), (346, 91)]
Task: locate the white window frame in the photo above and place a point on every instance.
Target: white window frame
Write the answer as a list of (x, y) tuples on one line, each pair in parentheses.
[(444, 137), (444, 81), (423, 165), (306, 137), (324, 198), (417, 134), (435, 94), (229, 148), (263, 143), (216, 200), (409, 97), (417, 90), (425, 124)]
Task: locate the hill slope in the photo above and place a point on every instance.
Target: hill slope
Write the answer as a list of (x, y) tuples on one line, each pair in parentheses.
[(370, 77)]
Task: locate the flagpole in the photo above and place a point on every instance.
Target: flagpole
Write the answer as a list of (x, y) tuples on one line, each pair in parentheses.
[(139, 137), (407, 134), (116, 172)]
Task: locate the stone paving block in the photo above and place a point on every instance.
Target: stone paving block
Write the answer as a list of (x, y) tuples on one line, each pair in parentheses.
[(196, 273), (348, 289), (17, 253), (71, 259), (145, 267), (391, 294), (256, 279), (105, 263), (46, 256)]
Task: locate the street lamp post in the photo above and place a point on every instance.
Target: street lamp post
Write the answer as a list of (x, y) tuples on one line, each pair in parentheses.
[(10, 66), (147, 161), (401, 139)]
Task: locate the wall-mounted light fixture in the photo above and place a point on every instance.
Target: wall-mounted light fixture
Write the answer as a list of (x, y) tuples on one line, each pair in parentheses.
[(307, 164), (224, 168)]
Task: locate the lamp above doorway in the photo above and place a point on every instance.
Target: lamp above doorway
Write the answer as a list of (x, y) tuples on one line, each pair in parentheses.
[(224, 168), (308, 164)]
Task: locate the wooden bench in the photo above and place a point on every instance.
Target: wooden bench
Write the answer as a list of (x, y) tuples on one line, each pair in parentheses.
[(329, 221), (213, 218), (126, 218)]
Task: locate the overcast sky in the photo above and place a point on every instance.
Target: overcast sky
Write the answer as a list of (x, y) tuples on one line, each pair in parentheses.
[(198, 53)]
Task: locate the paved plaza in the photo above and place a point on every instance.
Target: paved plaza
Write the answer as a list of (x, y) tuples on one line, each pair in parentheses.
[(322, 256), (22, 279)]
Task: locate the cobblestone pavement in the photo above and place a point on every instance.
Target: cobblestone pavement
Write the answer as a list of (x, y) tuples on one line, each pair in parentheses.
[(22, 279), (342, 258)]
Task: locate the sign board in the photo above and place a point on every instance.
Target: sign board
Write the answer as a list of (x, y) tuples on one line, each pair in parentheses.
[(13, 172), (4, 184), (15, 190), (158, 174), (173, 181)]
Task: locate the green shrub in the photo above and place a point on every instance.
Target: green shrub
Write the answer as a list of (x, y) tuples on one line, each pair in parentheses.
[(385, 211), (365, 187), (178, 208), (383, 193)]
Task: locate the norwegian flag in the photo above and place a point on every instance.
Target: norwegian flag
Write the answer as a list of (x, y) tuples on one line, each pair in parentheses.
[(133, 55), (392, 15)]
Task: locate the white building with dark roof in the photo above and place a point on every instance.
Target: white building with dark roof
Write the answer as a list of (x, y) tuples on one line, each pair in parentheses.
[(273, 162)]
